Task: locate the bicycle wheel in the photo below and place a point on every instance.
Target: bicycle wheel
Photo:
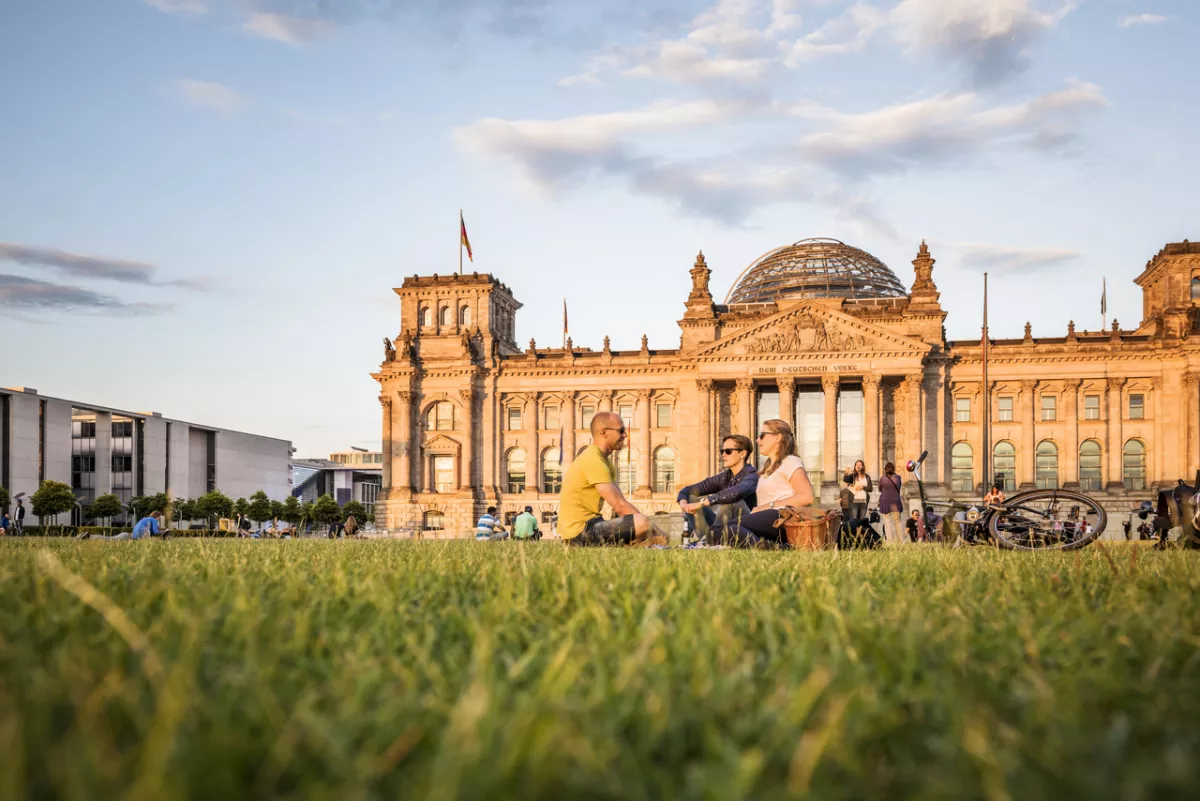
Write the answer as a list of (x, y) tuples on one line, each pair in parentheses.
[(1048, 519)]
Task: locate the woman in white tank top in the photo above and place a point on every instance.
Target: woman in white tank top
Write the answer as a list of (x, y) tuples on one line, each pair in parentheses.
[(782, 483)]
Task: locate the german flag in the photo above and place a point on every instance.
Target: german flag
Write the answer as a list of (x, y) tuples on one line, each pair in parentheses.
[(463, 241)]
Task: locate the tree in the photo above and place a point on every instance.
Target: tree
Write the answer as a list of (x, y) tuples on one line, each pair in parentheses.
[(106, 507), (277, 510), (185, 510), (290, 511), (5, 499), (51, 500), (260, 507), (326, 511), (241, 506), (354, 508), (306, 514), (144, 505), (213, 506)]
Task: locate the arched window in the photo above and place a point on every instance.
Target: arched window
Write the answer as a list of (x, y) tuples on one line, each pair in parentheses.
[(464, 316), (442, 416), (1004, 466), (627, 461), (1046, 465), (426, 316), (515, 471), (1196, 288), (1090, 459), (962, 468), (664, 469), (433, 521), (1133, 465), (551, 471), (446, 317)]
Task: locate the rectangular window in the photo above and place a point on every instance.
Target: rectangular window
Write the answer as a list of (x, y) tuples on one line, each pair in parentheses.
[(962, 410), (1137, 407), (1091, 407), (626, 412), (961, 468), (664, 415), (1006, 410), (443, 474), (1049, 407), (587, 412), (514, 418), (551, 417)]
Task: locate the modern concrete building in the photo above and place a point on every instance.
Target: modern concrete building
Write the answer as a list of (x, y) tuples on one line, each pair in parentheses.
[(818, 333), (97, 450), (354, 475)]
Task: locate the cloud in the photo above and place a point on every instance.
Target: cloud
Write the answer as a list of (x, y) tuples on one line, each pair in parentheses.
[(1006, 258), (287, 29), (990, 38), (179, 6), (214, 96), (848, 33), (18, 292), (1141, 19), (944, 129), (90, 267)]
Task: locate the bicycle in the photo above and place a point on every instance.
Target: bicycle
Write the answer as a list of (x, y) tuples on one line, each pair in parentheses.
[(1178, 507), (1034, 520)]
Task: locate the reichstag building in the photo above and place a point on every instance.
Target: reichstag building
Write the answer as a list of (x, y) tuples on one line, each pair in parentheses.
[(818, 333)]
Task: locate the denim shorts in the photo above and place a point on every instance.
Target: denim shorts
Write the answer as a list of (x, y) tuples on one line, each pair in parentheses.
[(598, 531)]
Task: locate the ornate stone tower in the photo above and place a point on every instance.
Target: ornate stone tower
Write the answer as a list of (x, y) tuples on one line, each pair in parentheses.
[(1171, 292), (699, 323)]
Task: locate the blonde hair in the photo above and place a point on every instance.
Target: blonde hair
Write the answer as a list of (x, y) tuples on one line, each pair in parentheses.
[(787, 445)]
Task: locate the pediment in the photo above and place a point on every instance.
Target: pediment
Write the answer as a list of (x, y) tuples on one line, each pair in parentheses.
[(442, 445), (810, 328)]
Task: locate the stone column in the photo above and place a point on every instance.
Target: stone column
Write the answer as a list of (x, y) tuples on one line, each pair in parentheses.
[(642, 415), (1191, 442), (1155, 459), (941, 449), (1028, 434), (829, 466), (745, 396), (704, 406), (533, 456), (1115, 477), (568, 436), (1069, 461), (787, 400), (912, 391), (385, 406), (871, 424), (402, 442), (466, 471)]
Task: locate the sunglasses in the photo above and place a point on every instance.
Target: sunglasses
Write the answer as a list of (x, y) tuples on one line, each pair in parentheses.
[(728, 451), (620, 431), (762, 434)]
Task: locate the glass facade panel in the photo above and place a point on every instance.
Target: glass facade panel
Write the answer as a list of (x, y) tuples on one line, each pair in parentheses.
[(443, 474), (627, 460), (514, 418), (586, 412), (851, 436), (1046, 465), (552, 417), (810, 431), (1004, 466), (1133, 465), (1091, 476), (83, 455), (122, 458), (962, 468)]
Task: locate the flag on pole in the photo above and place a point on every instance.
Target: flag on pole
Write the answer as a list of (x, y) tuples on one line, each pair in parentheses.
[(564, 317), (1104, 296), (466, 243)]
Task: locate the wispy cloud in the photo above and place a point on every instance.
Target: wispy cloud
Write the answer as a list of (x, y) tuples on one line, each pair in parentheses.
[(19, 292), (1141, 19), (213, 96), (1004, 258), (179, 6), (848, 33), (92, 267), (287, 29)]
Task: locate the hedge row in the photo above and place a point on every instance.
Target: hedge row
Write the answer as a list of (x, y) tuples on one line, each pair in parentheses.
[(107, 531)]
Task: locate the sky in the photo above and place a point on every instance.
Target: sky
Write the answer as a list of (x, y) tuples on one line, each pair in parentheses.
[(205, 204)]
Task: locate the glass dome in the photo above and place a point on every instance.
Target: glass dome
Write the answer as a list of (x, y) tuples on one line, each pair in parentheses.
[(815, 268)]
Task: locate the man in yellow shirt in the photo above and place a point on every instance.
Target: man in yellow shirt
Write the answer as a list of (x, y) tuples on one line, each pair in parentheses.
[(588, 483)]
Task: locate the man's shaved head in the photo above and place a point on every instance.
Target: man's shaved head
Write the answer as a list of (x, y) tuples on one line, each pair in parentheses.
[(603, 420)]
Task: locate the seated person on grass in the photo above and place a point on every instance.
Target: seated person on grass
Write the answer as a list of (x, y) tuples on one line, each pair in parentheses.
[(784, 484), (725, 497), (147, 527), (589, 482), (525, 527), (488, 527)]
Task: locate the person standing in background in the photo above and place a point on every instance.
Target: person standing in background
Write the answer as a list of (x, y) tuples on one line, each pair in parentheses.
[(891, 507)]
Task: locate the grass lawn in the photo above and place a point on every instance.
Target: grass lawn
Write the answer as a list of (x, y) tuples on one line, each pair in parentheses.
[(315, 669)]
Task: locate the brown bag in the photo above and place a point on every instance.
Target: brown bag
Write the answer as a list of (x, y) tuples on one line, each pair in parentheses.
[(809, 529)]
